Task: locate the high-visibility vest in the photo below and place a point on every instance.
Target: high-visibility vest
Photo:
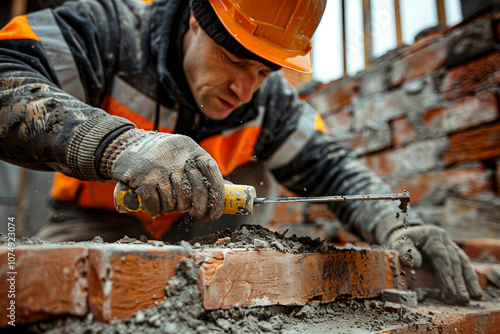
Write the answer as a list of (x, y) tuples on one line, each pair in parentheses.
[(231, 149)]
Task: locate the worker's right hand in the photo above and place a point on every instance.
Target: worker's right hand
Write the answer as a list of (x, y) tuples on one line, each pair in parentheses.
[(169, 172)]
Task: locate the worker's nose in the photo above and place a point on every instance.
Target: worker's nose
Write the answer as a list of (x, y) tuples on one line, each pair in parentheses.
[(243, 84)]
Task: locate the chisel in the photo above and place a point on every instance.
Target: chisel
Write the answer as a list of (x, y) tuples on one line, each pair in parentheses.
[(241, 199)]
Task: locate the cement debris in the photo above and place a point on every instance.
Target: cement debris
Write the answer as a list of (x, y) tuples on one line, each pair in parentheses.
[(259, 237)]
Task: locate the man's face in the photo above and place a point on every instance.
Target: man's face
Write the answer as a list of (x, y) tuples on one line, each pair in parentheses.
[(219, 81)]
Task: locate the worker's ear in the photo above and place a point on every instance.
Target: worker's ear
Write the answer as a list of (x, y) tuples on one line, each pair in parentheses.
[(194, 25)]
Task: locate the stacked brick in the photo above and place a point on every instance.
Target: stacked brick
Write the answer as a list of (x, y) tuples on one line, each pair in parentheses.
[(425, 115), (114, 281)]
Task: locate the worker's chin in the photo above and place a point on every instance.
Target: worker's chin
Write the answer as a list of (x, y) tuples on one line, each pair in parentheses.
[(216, 114)]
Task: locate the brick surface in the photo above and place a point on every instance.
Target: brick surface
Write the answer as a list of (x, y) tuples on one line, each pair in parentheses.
[(471, 181), (422, 62), (471, 76), (413, 97), (485, 249), (471, 145), (50, 281), (334, 97), (272, 277), (126, 278), (339, 124), (415, 158), (463, 113), (374, 79), (497, 177), (402, 131), (372, 139)]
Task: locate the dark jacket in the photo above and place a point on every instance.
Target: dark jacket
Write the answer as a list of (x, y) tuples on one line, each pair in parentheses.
[(57, 68)]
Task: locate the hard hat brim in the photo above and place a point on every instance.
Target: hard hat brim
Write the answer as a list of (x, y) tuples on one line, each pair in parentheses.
[(299, 61)]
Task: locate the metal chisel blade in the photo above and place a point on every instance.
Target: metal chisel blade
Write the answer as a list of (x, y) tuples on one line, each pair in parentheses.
[(405, 196)]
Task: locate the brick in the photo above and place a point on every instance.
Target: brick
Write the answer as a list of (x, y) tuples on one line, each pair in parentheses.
[(423, 61), (403, 132), (339, 124), (463, 113), (483, 249), (471, 181), (271, 277), (124, 279), (471, 40), (472, 145), (497, 176), (374, 79), (335, 96), (50, 281), (385, 107), (402, 297), (371, 139), (415, 158), (471, 76), (471, 218)]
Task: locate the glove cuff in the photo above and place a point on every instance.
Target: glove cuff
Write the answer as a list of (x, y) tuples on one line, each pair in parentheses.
[(86, 146), (389, 223)]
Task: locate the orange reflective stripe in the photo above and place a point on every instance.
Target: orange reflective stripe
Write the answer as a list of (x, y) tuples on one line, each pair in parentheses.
[(319, 124), (114, 107), (18, 28), (234, 150)]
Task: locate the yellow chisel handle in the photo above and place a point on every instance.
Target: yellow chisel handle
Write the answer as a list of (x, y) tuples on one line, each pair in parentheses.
[(238, 199)]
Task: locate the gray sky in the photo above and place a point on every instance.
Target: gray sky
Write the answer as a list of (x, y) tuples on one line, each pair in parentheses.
[(327, 49)]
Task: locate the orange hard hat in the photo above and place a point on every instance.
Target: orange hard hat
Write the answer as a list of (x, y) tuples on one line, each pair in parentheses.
[(279, 31)]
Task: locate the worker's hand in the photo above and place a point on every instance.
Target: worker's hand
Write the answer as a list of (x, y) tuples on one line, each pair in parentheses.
[(456, 277), (169, 172)]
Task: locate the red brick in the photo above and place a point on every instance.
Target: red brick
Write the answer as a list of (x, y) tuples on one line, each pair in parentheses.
[(425, 61), (126, 278), (472, 145), (463, 113), (471, 76), (471, 180), (417, 157), (482, 249), (402, 131), (335, 96), (49, 282), (271, 277), (339, 123), (497, 176)]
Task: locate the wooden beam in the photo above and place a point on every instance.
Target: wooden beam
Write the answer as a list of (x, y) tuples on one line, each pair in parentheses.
[(441, 12), (344, 38), (367, 32), (397, 16)]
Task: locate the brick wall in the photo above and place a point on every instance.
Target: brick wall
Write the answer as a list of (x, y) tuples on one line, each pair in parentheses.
[(423, 116)]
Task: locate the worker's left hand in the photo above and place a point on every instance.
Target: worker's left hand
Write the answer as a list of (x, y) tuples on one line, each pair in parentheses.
[(457, 279)]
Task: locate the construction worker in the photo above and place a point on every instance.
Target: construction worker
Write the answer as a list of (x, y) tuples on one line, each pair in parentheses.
[(171, 97)]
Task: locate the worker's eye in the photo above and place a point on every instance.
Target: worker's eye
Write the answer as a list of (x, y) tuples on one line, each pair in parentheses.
[(265, 72), (232, 60)]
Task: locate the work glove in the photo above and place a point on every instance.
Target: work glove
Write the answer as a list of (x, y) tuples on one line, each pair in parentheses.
[(456, 278), (169, 172)]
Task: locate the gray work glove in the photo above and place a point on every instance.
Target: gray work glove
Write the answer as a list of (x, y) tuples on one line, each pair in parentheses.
[(169, 172), (456, 278)]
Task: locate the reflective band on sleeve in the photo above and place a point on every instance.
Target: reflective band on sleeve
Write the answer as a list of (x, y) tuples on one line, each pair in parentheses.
[(142, 104), (45, 27), (295, 141)]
